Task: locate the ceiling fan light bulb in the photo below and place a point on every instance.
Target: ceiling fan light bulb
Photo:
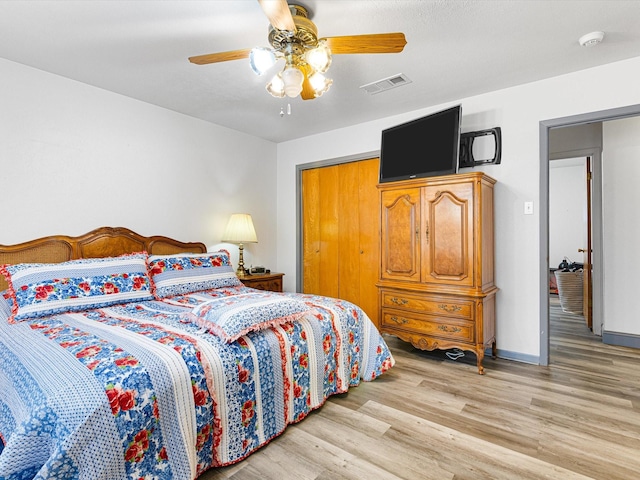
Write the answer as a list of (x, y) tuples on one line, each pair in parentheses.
[(261, 59), (319, 58), (292, 78)]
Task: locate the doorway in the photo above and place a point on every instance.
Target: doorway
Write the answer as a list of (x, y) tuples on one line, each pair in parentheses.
[(598, 298), (570, 238)]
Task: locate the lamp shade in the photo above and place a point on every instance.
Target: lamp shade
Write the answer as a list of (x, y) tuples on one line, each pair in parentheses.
[(292, 77), (320, 57), (319, 83), (240, 229), (261, 59), (276, 86)]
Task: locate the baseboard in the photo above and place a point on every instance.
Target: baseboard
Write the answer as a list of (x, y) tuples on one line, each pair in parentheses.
[(515, 356), (608, 338), (621, 339)]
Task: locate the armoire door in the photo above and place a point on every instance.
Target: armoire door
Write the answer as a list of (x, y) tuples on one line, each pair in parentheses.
[(447, 223), (400, 237), (340, 233)]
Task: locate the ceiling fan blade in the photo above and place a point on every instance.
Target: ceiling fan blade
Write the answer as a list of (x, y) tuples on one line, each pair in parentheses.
[(220, 57), (307, 91), (371, 43), (278, 13)]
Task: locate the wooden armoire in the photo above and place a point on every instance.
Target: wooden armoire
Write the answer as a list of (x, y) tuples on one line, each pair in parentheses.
[(436, 286)]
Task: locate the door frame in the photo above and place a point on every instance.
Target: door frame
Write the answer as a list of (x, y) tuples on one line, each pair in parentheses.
[(587, 257), (598, 297)]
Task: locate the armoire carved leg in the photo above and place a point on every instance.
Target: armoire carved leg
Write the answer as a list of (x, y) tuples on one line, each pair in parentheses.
[(480, 356)]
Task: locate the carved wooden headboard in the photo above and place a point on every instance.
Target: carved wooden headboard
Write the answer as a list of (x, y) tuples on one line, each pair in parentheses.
[(101, 242)]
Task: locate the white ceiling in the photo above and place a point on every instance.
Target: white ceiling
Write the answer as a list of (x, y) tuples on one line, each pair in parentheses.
[(455, 49)]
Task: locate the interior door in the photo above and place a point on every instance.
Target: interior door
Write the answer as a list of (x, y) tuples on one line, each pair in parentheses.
[(311, 232), (369, 234), (341, 231), (320, 194), (587, 289)]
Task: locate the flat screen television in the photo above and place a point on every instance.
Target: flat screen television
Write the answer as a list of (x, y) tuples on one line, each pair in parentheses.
[(425, 147)]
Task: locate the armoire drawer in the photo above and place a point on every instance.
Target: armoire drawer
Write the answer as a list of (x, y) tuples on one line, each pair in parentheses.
[(426, 304), (450, 329)]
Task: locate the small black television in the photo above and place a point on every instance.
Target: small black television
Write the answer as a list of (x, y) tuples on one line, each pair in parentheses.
[(426, 147)]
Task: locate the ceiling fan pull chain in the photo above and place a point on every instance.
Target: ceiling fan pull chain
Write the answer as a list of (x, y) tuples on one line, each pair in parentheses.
[(288, 110)]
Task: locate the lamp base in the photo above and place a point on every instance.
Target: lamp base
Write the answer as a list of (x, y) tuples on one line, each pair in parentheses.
[(240, 271)]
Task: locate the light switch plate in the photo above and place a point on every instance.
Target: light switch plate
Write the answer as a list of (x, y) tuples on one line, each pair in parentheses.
[(528, 208)]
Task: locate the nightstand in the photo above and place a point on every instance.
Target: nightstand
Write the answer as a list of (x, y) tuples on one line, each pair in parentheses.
[(263, 281)]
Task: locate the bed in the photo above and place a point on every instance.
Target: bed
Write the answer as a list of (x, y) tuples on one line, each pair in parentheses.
[(132, 357)]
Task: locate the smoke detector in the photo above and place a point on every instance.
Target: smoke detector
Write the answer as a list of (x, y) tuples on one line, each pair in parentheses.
[(591, 39)]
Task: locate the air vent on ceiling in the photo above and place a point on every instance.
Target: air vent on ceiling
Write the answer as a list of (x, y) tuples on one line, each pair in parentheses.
[(386, 84)]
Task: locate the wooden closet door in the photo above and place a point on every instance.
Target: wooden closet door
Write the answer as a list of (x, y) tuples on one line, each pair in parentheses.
[(341, 229), (311, 230), (369, 235), (320, 231), (349, 232), (320, 207)]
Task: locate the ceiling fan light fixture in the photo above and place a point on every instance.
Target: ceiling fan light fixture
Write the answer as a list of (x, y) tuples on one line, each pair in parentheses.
[(292, 77), (293, 38), (261, 59), (319, 57), (319, 83)]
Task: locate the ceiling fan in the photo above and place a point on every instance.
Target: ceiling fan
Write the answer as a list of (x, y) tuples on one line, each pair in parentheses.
[(294, 38)]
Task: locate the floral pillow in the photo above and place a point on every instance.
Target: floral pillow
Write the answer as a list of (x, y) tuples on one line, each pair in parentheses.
[(233, 316), (191, 272), (41, 289), (6, 303)]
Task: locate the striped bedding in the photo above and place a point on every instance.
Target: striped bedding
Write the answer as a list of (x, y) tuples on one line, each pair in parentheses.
[(139, 390)]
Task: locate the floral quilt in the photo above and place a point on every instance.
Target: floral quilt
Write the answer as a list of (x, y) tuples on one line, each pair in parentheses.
[(138, 391)]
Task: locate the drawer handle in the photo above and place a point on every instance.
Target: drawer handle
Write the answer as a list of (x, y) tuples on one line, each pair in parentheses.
[(399, 321), (448, 329), (398, 301), (449, 308)]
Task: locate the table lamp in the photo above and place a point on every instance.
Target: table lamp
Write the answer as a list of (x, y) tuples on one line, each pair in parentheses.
[(240, 230)]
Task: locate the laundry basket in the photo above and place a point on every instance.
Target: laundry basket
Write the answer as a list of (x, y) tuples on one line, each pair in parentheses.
[(570, 290)]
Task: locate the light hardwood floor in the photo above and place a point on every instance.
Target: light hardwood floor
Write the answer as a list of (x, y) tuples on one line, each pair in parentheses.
[(430, 417)]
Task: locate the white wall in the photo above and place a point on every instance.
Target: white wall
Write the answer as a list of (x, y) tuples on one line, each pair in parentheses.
[(621, 224), (74, 158), (518, 111)]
